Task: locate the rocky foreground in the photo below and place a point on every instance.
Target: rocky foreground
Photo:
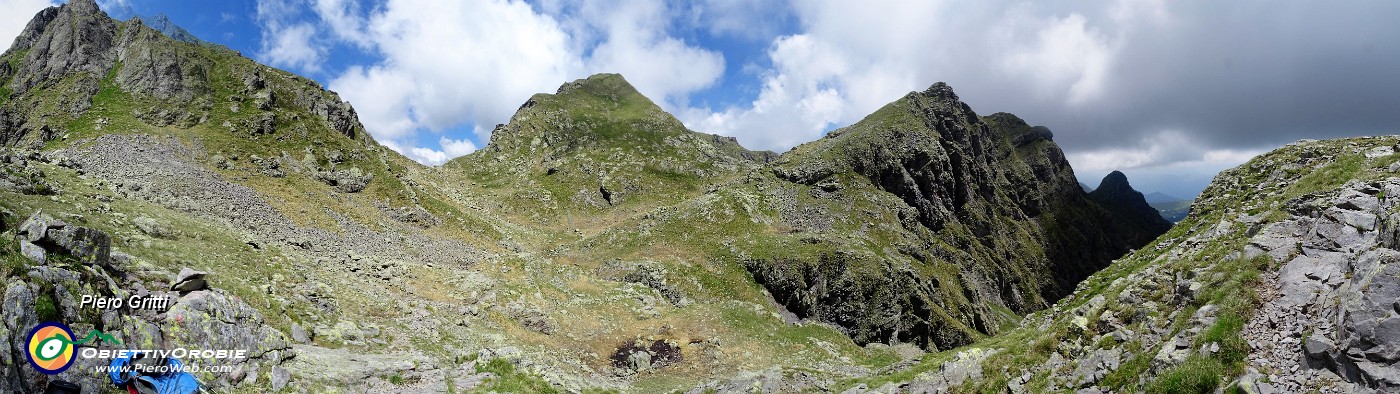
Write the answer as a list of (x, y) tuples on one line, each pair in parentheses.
[(63, 262)]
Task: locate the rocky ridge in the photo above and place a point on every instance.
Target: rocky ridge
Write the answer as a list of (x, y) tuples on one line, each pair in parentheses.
[(990, 198), (76, 50), (1281, 280)]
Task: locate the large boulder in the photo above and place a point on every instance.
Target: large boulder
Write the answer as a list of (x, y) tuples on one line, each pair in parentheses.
[(1370, 329), (214, 319), (41, 235)]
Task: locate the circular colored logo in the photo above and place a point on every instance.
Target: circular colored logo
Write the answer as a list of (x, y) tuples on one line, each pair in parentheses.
[(50, 348)]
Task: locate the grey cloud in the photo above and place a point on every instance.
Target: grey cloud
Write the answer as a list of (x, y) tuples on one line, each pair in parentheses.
[(1232, 75)]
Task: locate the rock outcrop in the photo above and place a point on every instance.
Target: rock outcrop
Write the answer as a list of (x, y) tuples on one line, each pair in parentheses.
[(41, 236), (76, 39), (62, 262), (1338, 287)]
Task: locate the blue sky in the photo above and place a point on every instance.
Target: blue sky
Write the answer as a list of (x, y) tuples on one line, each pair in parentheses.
[(1169, 92)]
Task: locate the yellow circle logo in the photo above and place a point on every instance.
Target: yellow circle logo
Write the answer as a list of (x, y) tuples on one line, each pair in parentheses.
[(50, 348)]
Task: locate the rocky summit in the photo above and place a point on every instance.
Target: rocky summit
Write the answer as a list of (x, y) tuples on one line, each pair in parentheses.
[(169, 193)]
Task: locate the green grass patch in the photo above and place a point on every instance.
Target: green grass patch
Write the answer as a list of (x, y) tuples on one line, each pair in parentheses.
[(511, 380), (1330, 176), (1129, 373), (45, 308), (1197, 374)]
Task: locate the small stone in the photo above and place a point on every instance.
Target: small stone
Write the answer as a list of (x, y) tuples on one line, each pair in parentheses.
[(36, 226), (33, 252), (280, 376), (299, 334), (639, 361), (239, 373), (189, 280), (151, 227)]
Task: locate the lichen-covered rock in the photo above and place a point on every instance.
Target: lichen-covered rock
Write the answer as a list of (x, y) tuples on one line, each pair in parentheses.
[(16, 319), (152, 227), (214, 319), (346, 180), (1370, 330), (89, 246), (41, 233)]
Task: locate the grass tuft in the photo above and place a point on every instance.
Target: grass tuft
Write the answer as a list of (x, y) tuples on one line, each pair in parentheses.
[(1197, 375)]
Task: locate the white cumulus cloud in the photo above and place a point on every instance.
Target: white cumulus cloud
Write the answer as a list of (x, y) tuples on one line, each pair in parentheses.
[(287, 42), (448, 63)]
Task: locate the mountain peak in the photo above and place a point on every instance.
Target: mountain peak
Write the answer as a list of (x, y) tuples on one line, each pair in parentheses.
[(75, 37), (598, 107), (606, 85), (1115, 181), (163, 24), (1115, 193), (604, 112), (85, 6), (941, 90)]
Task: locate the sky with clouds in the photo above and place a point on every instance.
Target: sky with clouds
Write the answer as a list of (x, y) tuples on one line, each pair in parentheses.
[(1169, 92)]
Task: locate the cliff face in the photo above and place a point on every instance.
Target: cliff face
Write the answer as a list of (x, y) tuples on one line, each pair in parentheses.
[(992, 201)]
